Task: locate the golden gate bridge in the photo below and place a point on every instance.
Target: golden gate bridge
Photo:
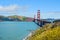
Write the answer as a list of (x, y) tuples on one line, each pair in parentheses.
[(38, 20)]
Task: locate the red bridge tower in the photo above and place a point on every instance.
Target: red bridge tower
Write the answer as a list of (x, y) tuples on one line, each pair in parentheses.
[(38, 15)]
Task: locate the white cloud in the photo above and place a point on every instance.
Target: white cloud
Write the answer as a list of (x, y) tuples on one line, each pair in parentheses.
[(13, 9), (53, 14), (9, 8)]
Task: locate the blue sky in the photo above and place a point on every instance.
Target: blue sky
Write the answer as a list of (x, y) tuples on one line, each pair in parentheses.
[(48, 8)]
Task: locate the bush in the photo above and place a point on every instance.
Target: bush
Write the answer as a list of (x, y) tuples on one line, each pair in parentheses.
[(46, 33)]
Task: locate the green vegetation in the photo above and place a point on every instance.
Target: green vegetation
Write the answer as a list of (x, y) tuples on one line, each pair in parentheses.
[(24, 18), (16, 18), (47, 32)]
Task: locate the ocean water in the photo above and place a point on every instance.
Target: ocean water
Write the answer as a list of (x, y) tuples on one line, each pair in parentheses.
[(16, 30)]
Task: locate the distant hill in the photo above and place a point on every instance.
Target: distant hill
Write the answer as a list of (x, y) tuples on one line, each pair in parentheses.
[(48, 19), (21, 18), (57, 20), (15, 18)]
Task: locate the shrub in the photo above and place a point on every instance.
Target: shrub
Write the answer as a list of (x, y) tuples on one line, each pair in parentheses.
[(46, 33)]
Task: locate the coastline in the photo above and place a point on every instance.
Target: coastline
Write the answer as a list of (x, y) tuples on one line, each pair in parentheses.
[(28, 35)]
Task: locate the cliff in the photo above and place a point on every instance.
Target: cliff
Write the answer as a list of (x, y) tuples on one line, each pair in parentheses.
[(47, 32)]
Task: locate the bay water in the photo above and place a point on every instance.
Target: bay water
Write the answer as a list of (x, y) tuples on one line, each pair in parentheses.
[(16, 30)]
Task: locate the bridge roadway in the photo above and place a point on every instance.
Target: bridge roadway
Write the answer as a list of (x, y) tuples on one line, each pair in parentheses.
[(41, 22)]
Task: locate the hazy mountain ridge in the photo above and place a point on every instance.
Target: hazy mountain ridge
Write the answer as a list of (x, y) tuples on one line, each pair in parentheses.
[(15, 18), (21, 18)]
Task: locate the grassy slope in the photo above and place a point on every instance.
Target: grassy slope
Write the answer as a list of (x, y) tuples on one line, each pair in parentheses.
[(46, 33)]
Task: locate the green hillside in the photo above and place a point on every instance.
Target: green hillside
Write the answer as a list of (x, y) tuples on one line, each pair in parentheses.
[(16, 18), (19, 17), (47, 32)]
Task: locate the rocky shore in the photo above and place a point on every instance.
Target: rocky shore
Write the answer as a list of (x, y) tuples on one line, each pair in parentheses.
[(26, 38)]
